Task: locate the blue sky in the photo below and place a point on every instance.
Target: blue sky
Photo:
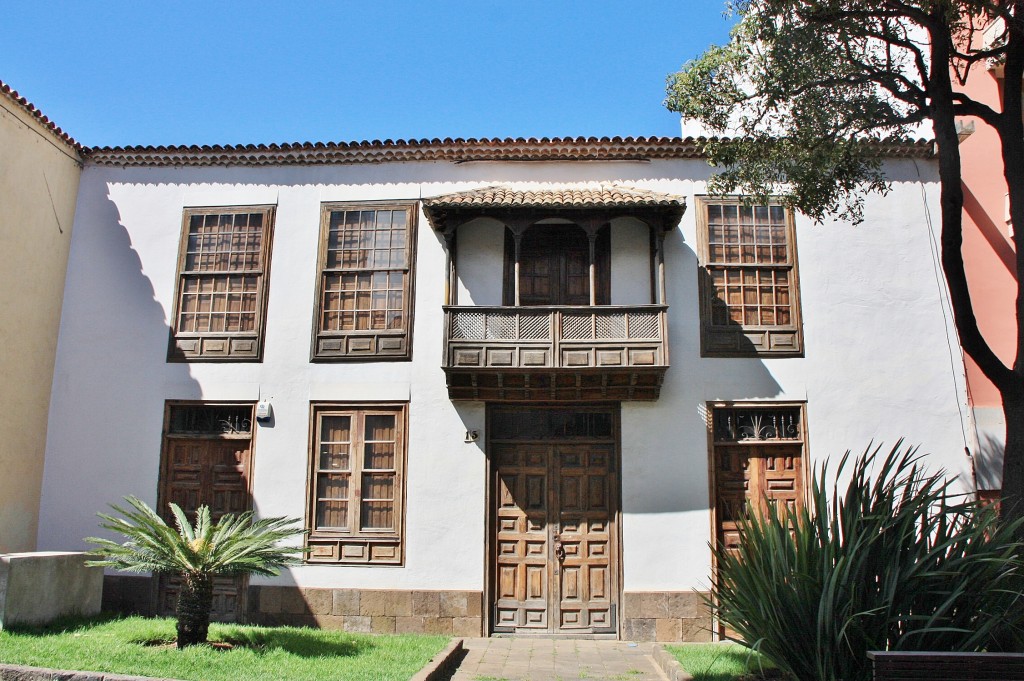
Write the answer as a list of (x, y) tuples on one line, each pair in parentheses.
[(120, 73)]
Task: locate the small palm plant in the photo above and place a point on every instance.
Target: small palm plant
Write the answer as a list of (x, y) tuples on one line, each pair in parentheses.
[(233, 545)]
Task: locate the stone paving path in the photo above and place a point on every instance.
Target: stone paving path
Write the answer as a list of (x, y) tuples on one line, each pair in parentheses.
[(537, 659)]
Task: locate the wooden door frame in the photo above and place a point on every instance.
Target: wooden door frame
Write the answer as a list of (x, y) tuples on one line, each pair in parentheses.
[(805, 457), (162, 474), (490, 536)]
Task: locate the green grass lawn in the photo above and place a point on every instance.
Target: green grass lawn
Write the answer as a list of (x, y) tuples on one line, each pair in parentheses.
[(137, 645), (720, 661)]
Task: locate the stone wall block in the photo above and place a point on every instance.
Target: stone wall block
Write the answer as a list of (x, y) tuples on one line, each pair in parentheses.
[(382, 625), (668, 629), (655, 604), (453, 604), (345, 602), (409, 625), (39, 587), (373, 603), (437, 625), (330, 621), (631, 605), (398, 603), (639, 628), (696, 629), (687, 604), (426, 603), (474, 604), (293, 602), (270, 599), (467, 626), (359, 623), (319, 601)]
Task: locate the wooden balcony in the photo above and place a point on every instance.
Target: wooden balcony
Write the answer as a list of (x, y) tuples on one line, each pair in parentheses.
[(556, 354)]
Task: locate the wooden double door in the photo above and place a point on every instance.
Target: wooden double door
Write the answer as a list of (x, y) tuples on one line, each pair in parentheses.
[(212, 472), (555, 562)]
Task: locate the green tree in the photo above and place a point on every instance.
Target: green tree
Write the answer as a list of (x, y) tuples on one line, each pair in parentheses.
[(811, 89), (233, 545)]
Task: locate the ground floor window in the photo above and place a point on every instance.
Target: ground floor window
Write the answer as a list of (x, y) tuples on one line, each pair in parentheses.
[(357, 488)]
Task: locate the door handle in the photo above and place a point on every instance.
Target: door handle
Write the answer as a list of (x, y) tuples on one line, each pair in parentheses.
[(559, 549)]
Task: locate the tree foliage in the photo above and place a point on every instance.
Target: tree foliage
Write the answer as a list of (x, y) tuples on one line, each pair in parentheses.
[(233, 545), (807, 96), (891, 563)]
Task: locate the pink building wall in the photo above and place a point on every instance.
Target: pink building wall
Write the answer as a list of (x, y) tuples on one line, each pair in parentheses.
[(989, 260)]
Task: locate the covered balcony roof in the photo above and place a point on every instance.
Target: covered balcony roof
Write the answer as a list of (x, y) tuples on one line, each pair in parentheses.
[(444, 211)]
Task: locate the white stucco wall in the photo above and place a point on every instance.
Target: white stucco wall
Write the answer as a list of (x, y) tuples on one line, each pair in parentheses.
[(38, 181), (876, 367)]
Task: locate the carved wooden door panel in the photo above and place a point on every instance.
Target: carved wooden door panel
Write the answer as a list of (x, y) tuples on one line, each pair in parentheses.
[(732, 477), (522, 545), (555, 569), (583, 538), (748, 477), (214, 472)]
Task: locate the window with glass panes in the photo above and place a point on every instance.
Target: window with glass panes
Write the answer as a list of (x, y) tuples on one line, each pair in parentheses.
[(219, 307), (749, 289), (358, 457), (364, 303)]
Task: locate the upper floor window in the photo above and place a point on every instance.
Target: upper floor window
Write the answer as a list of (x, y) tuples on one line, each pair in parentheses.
[(364, 301), (220, 304), (749, 289)]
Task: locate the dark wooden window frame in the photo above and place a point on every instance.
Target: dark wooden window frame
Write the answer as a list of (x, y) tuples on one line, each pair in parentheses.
[(745, 340), (357, 547), (374, 345), (222, 346)]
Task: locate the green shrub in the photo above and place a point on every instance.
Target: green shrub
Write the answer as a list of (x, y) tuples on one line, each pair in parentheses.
[(895, 563)]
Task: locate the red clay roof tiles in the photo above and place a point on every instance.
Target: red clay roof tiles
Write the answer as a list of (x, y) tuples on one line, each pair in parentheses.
[(28, 106)]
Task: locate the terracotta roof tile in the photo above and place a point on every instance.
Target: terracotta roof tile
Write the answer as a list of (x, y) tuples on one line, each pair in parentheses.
[(453, 150), (564, 197), (439, 208), (28, 106)]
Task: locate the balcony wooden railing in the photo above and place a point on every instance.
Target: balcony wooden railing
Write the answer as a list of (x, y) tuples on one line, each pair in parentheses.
[(609, 352)]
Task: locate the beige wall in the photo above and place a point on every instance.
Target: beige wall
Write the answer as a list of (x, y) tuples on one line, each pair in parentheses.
[(38, 188)]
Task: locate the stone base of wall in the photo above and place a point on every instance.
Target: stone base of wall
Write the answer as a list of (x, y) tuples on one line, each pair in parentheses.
[(668, 616), (455, 613), (128, 595)]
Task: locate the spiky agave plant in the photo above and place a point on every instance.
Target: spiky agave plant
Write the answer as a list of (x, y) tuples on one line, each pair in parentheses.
[(896, 562), (231, 546)]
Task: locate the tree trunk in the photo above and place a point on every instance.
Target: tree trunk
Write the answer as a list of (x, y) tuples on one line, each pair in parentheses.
[(194, 604), (1011, 503), (1011, 388)]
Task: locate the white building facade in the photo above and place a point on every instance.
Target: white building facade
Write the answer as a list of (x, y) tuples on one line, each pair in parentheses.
[(508, 386)]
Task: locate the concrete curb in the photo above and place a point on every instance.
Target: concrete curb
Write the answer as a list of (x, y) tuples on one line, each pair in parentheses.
[(442, 665), (17, 672), (669, 665)]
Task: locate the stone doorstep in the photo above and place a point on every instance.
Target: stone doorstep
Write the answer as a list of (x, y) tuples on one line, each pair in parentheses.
[(439, 667)]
